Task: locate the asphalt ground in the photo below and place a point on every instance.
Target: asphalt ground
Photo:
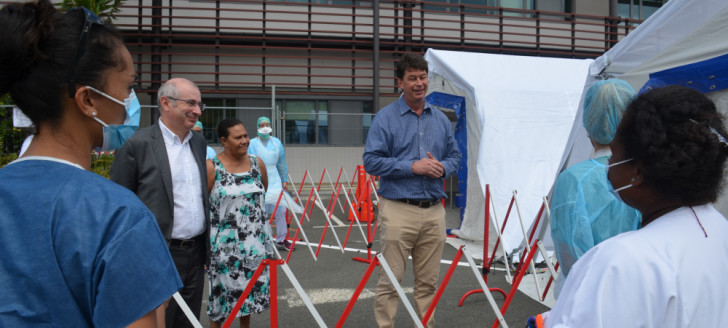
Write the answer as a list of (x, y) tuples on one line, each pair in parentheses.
[(330, 282)]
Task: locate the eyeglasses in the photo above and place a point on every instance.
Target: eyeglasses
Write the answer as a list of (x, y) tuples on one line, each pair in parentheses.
[(90, 20), (190, 102)]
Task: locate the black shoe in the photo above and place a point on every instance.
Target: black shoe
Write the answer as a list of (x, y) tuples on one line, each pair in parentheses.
[(285, 245)]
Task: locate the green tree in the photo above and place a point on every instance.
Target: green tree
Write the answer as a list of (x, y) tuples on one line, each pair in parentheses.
[(103, 8), (10, 137)]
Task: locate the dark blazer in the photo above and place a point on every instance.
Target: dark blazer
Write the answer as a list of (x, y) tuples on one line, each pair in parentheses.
[(142, 166)]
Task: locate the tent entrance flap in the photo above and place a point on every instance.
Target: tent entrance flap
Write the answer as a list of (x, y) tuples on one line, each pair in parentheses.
[(520, 110), (456, 104)]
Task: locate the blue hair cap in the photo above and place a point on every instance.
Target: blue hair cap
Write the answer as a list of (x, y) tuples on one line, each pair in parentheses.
[(261, 120), (604, 104)]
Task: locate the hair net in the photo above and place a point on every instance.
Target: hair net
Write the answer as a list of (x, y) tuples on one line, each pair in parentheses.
[(198, 124), (604, 104), (261, 120)]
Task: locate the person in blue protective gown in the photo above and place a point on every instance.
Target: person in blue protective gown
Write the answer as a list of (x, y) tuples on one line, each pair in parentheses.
[(271, 151), (583, 211), (77, 249)]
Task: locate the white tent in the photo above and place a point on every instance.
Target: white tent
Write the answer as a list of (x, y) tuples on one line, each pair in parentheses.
[(519, 111)]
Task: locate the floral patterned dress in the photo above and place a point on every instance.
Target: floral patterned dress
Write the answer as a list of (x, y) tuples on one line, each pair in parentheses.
[(240, 240)]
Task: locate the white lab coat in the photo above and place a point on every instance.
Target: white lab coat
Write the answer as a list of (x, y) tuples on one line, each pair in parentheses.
[(667, 274)]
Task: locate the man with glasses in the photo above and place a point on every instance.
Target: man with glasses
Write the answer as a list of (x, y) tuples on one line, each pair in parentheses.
[(164, 164)]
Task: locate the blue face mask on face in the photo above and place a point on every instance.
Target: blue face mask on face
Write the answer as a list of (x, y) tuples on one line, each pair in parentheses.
[(116, 135), (615, 192)]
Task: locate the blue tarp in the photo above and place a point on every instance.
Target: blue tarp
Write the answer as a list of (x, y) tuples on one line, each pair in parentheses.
[(705, 76), (457, 104)]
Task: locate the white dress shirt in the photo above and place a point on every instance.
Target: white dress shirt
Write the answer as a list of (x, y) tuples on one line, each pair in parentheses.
[(189, 215)]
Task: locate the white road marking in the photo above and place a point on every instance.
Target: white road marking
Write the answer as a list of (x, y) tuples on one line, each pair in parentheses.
[(357, 250), (329, 295), (333, 217)]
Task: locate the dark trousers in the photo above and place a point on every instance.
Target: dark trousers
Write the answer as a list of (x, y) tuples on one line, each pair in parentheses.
[(190, 263)]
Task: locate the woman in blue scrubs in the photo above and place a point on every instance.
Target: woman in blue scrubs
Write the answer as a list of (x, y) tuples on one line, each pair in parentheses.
[(77, 249)]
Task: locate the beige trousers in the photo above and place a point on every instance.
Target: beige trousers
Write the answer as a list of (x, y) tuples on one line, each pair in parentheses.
[(406, 230)]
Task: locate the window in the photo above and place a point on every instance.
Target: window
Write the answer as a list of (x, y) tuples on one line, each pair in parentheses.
[(215, 112), (300, 121), (327, 2), (368, 116), (246, 110), (564, 6), (517, 4), (325, 122), (638, 9)]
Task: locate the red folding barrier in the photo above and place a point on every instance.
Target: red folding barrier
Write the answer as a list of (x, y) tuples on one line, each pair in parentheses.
[(517, 280), (486, 262), (365, 210), (372, 179), (524, 263), (441, 288), (273, 215), (533, 231), (318, 188), (289, 216), (373, 264), (298, 229), (443, 188), (548, 285), (503, 228), (334, 194), (273, 292)]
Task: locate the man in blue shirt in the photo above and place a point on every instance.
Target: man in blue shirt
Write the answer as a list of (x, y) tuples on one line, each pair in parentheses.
[(412, 148)]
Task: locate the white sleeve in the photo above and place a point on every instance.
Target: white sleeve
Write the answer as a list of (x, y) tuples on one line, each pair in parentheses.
[(616, 284)]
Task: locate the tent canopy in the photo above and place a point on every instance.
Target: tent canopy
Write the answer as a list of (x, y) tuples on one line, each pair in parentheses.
[(681, 32), (682, 43)]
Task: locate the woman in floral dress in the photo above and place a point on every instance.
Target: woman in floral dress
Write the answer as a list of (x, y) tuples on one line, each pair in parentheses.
[(240, 234)]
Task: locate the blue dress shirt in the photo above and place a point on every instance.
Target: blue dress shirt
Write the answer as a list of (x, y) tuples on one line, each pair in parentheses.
[(398, 138)]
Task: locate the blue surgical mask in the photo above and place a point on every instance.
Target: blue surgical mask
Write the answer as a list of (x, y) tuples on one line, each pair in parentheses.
[(116, 135), (615, 192)]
